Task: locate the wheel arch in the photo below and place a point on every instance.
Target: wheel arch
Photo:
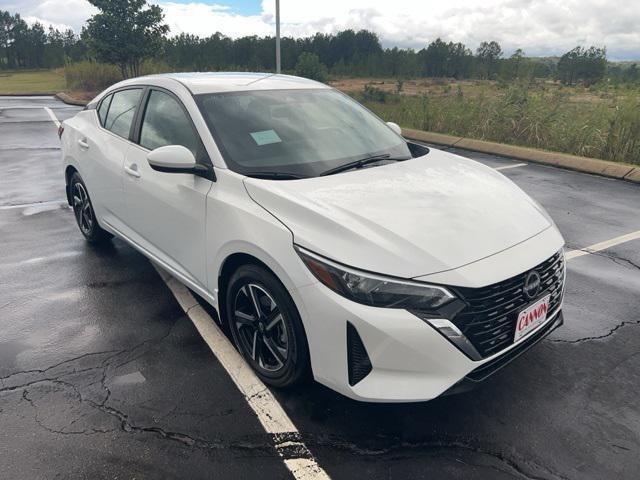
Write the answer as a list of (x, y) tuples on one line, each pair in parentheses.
[(231, 263), (237, 259), (233, 260), (228, 266)]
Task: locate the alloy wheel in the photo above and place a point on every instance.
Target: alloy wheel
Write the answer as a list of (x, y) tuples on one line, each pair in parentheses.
[(261, 328), (82, 208)]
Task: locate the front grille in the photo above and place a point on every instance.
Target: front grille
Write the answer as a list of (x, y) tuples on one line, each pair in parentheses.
[(495, 364), (489, 319)]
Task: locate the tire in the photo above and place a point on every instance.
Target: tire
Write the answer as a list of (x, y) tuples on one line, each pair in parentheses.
[(83, 211), (272, 339)]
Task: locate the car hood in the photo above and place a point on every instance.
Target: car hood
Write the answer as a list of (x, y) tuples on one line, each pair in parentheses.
[(407, 219)]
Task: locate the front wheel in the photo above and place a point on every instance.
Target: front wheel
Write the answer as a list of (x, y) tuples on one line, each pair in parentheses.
[(83, 211), (266, 326)]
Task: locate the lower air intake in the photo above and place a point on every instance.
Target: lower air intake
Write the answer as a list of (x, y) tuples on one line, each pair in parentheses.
[(357, 358)]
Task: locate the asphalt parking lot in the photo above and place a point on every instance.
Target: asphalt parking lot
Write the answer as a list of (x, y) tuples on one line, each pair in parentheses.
[(102, 375)]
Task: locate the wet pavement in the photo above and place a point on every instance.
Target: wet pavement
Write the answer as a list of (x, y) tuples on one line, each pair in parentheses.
[(103, 376)]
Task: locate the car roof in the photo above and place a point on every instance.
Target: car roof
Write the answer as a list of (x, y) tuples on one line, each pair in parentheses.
[(214, 82)]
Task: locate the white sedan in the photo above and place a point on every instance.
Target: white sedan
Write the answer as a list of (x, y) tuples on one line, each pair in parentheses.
[(330, 246)]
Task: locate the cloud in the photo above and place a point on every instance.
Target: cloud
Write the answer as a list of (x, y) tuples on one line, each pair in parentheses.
[(540, 27), (61, 14), (205, 19)]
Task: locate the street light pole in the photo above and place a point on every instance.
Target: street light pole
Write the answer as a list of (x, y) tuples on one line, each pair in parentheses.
[(277, 36)]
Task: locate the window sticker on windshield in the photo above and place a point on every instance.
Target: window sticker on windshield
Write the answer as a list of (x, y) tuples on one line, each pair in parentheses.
[(265, 137)]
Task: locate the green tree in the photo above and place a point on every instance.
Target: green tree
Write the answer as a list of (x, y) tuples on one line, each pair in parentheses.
[(7, 23), (309, 66), (488, 55), (632, 73), (583, 65), (515, 66), (436, 58), (125, 32)]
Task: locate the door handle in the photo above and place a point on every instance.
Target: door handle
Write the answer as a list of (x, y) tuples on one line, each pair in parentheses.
[(83, 143), (132, 170)]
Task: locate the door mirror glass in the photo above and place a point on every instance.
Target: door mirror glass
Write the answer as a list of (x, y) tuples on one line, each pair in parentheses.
[(395, 127), (172, 159)]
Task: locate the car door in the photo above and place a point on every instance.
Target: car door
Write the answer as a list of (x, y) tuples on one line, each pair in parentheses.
[(166, 211), (106, 147)]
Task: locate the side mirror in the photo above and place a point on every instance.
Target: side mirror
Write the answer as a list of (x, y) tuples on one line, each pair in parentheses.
[(172, 159), (395, 127)]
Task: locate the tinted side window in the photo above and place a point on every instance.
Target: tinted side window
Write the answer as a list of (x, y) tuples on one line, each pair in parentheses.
[(166, 123), (121, 111), (103, 108)]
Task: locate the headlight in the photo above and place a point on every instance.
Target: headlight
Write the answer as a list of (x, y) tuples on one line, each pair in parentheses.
[(374, 290)]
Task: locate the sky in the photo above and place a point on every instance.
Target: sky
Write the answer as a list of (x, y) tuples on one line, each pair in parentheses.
[(539, 27)]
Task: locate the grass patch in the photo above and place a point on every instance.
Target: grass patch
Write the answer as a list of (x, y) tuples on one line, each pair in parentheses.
[(91, 76), (32, 82), (597, 123)]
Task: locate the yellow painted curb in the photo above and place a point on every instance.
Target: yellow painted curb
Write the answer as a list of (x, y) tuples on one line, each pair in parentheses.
[(623, 171)]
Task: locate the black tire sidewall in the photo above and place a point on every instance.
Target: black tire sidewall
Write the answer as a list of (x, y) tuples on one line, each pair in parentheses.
[(97, 234), (297, 365)]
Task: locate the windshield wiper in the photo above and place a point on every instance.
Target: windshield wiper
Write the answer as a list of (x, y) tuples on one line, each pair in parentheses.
[(274, 175), (361, 163)]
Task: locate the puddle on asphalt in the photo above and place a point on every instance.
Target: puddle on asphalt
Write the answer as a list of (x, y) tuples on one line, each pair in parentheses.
[(45, 207), (129, 379)]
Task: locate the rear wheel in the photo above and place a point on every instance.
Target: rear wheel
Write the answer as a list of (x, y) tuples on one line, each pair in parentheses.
[(83, 211), (266, 326)]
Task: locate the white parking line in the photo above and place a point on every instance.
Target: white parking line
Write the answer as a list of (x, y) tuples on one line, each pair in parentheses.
[(274, 419), (35, 204), (506, 167), (52, 116), (596, 247)]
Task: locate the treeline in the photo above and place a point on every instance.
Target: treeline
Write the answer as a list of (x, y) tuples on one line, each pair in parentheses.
[(360, 53), (347, 52), (31, 46)]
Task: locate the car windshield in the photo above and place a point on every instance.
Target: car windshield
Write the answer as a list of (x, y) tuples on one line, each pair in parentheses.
[(296, 133)]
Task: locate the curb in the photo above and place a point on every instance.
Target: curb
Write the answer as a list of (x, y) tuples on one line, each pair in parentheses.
[(605, 168), (68, 99)]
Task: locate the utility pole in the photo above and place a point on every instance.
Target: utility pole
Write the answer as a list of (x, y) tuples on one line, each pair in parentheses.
[(277, 36)]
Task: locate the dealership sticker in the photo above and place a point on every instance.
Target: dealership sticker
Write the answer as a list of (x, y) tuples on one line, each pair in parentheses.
[(265, 137)]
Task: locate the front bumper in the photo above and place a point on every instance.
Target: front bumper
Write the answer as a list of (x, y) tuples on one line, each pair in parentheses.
[(488, 368), (410, 360)]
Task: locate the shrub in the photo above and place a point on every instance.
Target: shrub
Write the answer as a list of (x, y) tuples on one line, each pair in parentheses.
[(523, 115), (90, 76), (150, 67), (374, 94), (623, 139), (309, 66)]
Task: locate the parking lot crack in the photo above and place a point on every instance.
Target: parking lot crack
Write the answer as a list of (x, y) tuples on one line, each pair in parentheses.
[(65, 362), (260, 446), (126, 425), (394, 446), (610, 333), (43, 425), (618, 259), (614, 258)]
